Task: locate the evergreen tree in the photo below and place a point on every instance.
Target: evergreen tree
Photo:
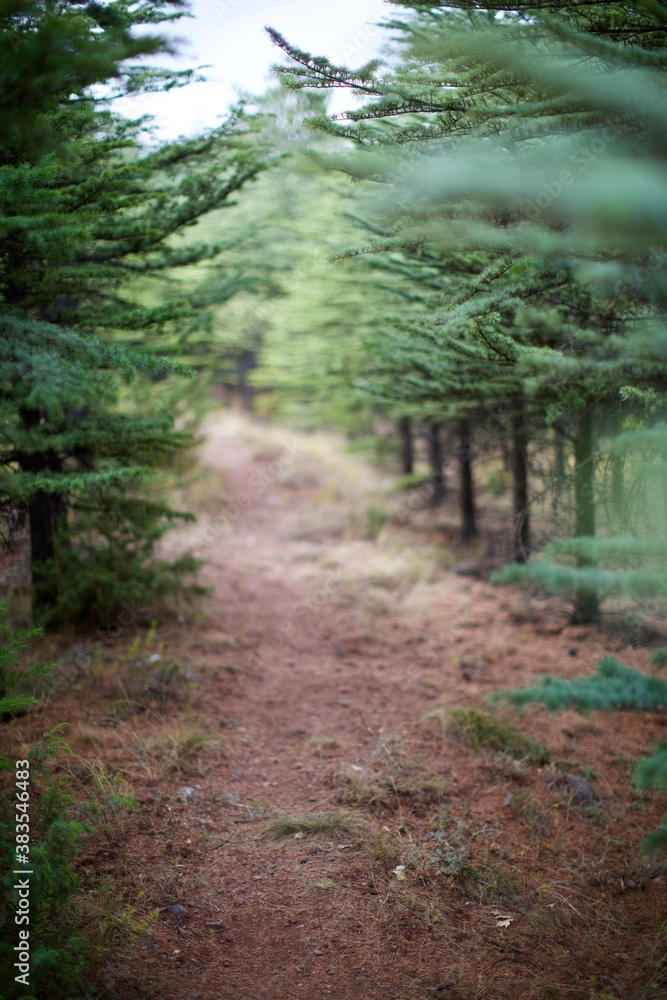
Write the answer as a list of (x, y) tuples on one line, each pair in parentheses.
[(84, 213), (471, 133)]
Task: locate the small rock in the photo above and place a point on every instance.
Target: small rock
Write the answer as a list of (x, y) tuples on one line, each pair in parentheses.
[(239, 772), (345, 702), (214, 925), (154, 658), (469, 569), (185, 793), (318, 951), (178, 910), (108, 720), (471, 670), (579, 790)]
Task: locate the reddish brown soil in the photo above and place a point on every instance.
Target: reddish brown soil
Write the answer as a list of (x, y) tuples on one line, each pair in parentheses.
[(375, 634)]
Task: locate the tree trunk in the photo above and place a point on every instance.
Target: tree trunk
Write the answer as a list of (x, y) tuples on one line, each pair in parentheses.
[(618, 489), (468, 513), (558, 468), (406, 446), (436, 460), (246, 363), (521, 534), (586, 604), (46, 511)]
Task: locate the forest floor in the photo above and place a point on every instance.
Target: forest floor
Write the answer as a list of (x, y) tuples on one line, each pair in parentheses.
[(311, 821)]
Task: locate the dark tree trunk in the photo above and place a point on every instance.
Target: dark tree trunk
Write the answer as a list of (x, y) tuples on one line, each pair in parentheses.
[(505, 450), (586, 604), (617, 475), (618, 489), (46, 511), (558, 468), (521, 534), (436, 461), (247, 361), (406, 446), (468, 512)]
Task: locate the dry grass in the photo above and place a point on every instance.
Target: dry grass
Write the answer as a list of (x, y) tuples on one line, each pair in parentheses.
[(171, 749), (327, 885), (109, 919), (324, 743), (382, 847), (530, 810), (85, 735), (109, 795), (333, 823)]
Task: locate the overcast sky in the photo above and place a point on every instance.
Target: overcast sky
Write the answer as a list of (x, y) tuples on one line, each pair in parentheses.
[(229, 37)]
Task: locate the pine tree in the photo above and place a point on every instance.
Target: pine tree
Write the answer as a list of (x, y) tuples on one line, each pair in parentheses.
[(84, 213), (454, 132)]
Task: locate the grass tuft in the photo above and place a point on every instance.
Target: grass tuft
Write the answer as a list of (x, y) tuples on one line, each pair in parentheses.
[(481, 730), (332, 823), (324, 743)]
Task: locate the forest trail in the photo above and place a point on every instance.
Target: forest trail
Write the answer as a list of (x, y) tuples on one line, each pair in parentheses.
[(320, 652)]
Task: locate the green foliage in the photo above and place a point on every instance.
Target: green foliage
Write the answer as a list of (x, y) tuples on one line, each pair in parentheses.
[(62, 943), (639, 583), (57, 950), (87, 215), (73, 466), (492, 150), (111, 562), (111, 921), (612, 687), (109, 796), (16, 695), (50, 50)]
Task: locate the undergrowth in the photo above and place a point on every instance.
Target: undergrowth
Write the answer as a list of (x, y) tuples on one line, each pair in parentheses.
[(65, 950), (332, 823), (482, 730), (611, 687)]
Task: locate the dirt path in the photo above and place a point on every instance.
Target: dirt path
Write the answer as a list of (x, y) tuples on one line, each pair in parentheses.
[(461, 875)]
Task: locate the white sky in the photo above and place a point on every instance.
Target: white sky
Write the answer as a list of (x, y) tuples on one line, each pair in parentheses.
[(229, 37)]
